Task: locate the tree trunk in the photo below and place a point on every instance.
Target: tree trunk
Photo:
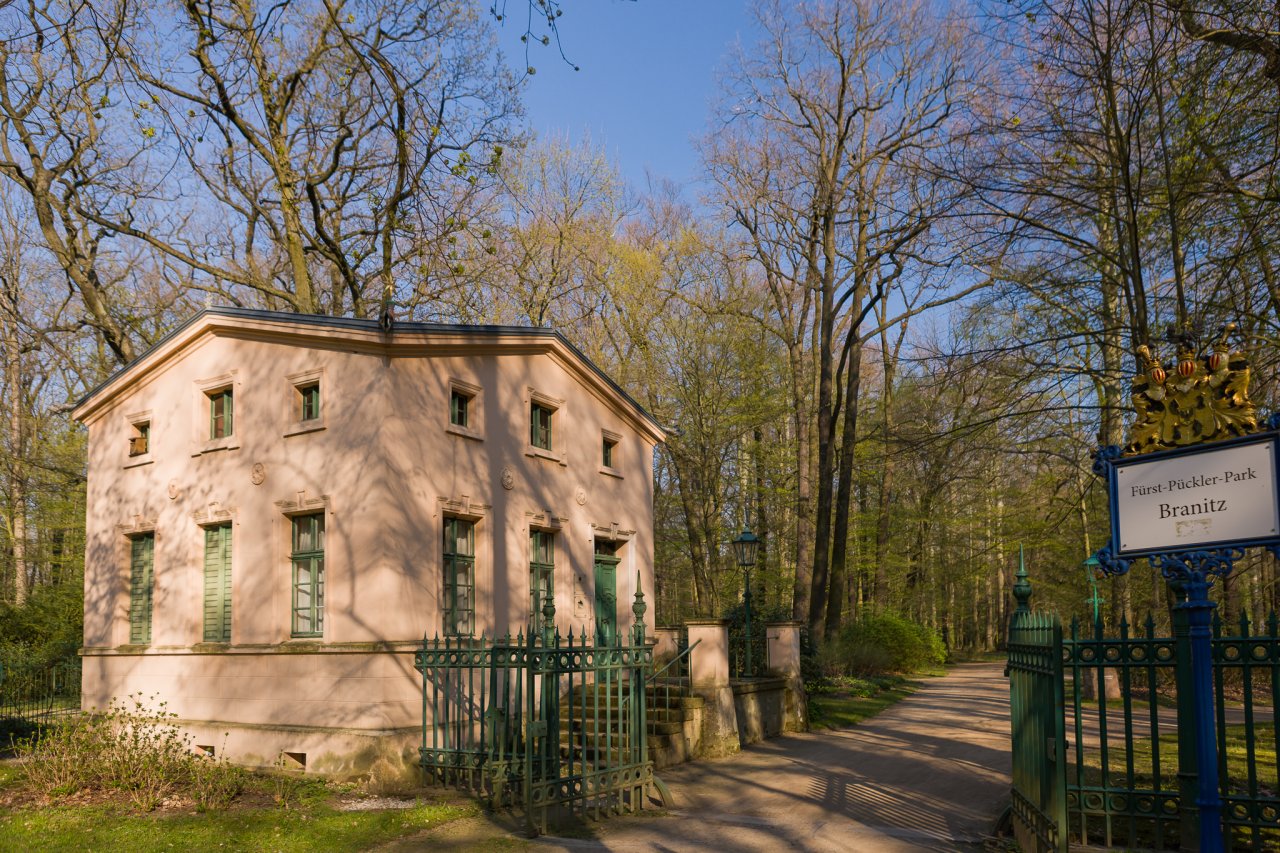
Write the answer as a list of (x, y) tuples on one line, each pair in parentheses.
[(17, 448), (804, 488), (883, 517), (844, 491), (826, 469)]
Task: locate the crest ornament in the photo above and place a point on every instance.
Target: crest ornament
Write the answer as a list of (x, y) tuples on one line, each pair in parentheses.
[(1207, 399), (580, 496), (258, 473), (174, 491), (508, 479)]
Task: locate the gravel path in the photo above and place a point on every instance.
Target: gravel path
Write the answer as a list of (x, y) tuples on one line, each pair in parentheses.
[(930, 773)]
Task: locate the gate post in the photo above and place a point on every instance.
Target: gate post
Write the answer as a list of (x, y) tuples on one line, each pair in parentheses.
[(1188, 777), (709, 678), (784, 660), (1200, 616)]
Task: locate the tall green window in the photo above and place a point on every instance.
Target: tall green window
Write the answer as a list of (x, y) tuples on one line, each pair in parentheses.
[(141, 586), (542, 573), (459, 408), (309, 395), (459, 577), (220, 407), (308, 575), (540, 426)]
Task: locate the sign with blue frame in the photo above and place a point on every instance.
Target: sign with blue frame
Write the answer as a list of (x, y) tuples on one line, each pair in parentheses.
[(1196, 498)]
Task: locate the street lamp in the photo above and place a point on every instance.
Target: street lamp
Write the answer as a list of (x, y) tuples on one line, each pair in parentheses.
[(1089, 565), (745, 548)]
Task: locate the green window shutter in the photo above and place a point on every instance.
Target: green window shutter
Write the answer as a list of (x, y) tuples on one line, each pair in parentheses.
[(217, 584), (212, 584), (141, 586), (226, 586)]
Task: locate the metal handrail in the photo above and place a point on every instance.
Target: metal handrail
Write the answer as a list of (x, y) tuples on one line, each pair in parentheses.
[(683, 653), (666, 698)]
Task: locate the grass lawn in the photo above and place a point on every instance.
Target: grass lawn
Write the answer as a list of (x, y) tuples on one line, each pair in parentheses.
[(312, 822), (848, 701)]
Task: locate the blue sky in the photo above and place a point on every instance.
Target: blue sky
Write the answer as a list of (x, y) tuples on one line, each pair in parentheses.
[(647, 80)]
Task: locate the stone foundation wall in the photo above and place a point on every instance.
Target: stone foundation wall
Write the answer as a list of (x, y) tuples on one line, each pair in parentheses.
[(341, 713)]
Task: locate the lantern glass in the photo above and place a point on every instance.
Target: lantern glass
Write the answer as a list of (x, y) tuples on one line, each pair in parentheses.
[(745, 547)]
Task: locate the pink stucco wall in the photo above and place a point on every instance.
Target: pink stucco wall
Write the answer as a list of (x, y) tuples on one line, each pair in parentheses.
[(386, 469)]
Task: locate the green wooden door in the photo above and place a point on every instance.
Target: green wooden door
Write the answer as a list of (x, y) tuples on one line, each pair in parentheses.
[(217, 584), (606, 591)]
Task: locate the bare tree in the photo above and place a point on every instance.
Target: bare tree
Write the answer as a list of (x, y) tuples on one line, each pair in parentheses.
[(830, 124), (334, 142), (57, 67)]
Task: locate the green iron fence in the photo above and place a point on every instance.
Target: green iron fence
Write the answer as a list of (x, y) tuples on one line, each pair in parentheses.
[(1246, 666), (552, 725), (1123, 783), (33, 694), (1110, 705)]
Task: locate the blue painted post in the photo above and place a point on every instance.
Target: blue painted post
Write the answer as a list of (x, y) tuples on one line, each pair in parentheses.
[(1188, 774), (1200, 612)]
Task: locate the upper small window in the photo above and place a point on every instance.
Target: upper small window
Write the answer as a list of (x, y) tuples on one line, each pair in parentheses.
[(309, 401), (220, 407), (606, 455), (140, 440), (540, 426), (460, 408)]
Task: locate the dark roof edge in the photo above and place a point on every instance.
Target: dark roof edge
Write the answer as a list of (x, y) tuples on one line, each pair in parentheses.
[(370, 326)]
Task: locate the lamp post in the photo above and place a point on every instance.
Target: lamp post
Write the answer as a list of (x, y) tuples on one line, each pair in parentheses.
[(1089, 565), (744, 548)]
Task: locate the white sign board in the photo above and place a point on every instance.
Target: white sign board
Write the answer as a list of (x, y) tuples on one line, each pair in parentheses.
[(1185, 501)]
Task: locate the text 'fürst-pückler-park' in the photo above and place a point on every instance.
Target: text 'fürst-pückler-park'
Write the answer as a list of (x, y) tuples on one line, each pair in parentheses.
[(1195, 499), (1177, 484)]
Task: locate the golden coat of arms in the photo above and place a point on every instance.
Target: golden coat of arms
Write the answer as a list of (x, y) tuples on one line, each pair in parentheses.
[(1205, 399)]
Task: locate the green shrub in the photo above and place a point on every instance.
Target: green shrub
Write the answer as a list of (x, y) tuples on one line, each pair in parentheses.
[(130, 750), (882, 643)]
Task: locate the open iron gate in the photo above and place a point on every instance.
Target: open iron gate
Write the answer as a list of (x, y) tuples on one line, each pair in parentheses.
[(1039, 740), (549, 724)]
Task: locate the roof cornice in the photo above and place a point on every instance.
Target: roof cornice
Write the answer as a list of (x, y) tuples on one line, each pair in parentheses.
[(405, 340)]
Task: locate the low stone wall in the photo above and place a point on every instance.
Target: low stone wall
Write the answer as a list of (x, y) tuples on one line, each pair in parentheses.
[(761, 706)]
